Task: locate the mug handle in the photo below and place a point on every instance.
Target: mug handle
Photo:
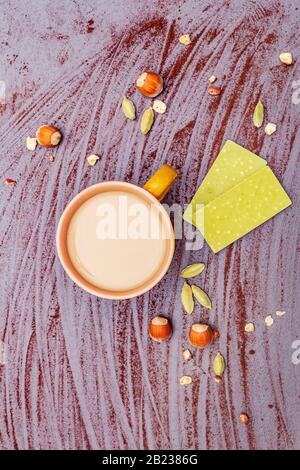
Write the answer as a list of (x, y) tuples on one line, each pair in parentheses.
[(160, 183)]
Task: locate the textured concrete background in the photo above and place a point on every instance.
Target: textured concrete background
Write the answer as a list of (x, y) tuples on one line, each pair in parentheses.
[(81, 372)]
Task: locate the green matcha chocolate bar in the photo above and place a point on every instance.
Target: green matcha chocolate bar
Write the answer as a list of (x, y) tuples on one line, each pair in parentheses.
[(239, 193)]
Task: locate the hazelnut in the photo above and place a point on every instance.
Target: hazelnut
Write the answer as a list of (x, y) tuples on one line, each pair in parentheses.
[(187, 355), (249, 327), (159, 106), (31, 143), (270, 128), (185, 39), (48, 136), (214, 90), (185, 380), (244, 418), (218, 379), (269, 320), (9, 182), (150, 84), (216, 334), (201, 335), (160, 329), (92, 159), (286, 58)]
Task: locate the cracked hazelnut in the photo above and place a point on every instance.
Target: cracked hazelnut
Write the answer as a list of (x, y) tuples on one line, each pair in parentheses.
[(48, 136)]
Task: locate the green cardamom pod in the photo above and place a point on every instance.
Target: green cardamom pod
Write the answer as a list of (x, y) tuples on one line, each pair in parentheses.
[(187, 298), (201, 296), (128, 108), (147, 120), (258, 115), (192, 270), (219, 364)]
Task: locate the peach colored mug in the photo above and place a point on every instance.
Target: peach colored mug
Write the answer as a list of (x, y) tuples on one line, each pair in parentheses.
[(153, 191)]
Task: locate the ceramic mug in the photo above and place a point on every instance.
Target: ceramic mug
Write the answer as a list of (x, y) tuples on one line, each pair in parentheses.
[(112, 187)]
